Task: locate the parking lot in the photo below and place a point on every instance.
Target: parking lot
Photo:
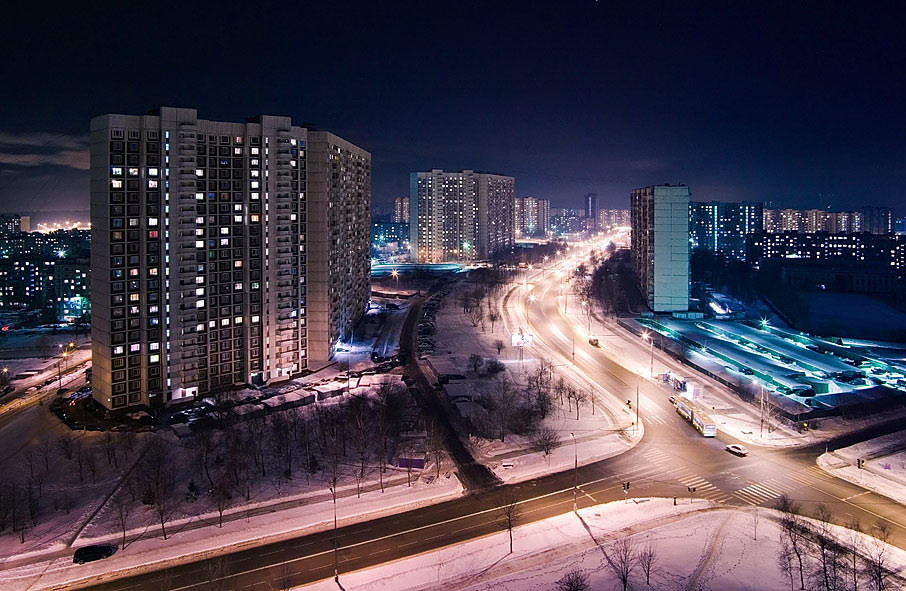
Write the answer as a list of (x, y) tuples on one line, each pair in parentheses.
[(812, 372)]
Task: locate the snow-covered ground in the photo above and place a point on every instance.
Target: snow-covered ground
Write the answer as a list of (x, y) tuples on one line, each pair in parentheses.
[(150, 552), (695, 547), (597, 435), (885, 465)]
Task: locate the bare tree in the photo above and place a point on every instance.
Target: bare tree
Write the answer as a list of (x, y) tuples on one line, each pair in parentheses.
[(854, 541), (475, 362), (122, 509), (436, 444), (157, 473), (621, 560), (546, 441), (91, 463), (221, 496), (476, 315), (647, 560), (65, 447), (877, 557), (581, 398), (360, 413), (794, 533), (498, 344), (829, 570), (46, 450), (109, 444), (493, 317), (509, 514), (574, 580), (785, 561), (501, 405)]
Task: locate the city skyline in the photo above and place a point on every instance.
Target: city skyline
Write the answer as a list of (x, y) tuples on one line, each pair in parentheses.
[(793, 120)]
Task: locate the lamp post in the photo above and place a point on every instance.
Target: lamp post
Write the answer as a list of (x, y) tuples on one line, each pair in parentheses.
[(650, 340), (396, 275), (588, 314), (575, 473), (336, 560)]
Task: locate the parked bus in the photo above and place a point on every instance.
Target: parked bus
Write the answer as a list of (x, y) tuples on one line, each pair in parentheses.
[(698, 417)]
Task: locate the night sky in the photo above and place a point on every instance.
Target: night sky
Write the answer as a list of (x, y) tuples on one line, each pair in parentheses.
[(798, 104)]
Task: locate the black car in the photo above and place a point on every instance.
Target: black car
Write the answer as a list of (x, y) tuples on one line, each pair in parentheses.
[(92, 553)]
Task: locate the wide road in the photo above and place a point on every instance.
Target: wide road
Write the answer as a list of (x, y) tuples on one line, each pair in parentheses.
[(671, 459)]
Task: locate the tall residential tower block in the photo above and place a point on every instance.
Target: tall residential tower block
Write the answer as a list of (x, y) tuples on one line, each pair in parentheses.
[(222, 253), (660, 245), (460, 216)]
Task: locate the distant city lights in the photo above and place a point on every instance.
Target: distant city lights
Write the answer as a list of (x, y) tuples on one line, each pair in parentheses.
[(64, 225)]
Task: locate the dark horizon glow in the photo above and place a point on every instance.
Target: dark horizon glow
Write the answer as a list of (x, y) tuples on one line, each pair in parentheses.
[(793, 104)]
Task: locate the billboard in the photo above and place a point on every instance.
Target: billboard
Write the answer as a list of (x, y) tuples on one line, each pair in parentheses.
[(521, 339)]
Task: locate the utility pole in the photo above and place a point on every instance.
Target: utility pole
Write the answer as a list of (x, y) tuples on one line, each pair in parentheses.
[(762, 411), (575, 473), (336, 560), (637, 407)]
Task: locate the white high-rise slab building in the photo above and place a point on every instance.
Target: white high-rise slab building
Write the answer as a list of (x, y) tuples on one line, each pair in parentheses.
[(222, 253), (660, 245)]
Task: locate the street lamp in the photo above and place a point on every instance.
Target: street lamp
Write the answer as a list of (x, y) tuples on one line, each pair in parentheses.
[(587, 313), (336, 560), (650, 340), (396, 275), (575, 473)]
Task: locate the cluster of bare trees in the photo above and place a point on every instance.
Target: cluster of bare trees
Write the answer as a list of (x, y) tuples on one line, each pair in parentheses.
[(49, 471), (521, 410), (815, 556), (229, 466)]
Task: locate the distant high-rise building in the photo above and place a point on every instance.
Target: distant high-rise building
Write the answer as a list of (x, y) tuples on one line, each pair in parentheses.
[(877, 220), (531, 216), (13, 224), (812, 220), (900, 226), (591, 210), (221, 253), (460, 216), (565, 220), (614, 218), (401, 210), (660, 245), (888, 251), (722, 227)]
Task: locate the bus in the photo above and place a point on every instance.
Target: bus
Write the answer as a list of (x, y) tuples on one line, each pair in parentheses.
[(698, 417)]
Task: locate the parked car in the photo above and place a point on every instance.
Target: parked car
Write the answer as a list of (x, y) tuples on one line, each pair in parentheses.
[(736, 449), (8, 389), (594, 342), (92, 553)]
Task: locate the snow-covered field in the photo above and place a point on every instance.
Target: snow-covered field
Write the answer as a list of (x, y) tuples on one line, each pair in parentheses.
[(885, 465), (694, 547)]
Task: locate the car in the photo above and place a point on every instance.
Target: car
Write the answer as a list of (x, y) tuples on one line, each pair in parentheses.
[(93, 427), (747, 371), (672, 399), (8, 389), (737, 449), (594, 342), (93, 552)]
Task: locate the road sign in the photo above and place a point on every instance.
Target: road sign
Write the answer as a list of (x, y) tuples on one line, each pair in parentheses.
[(414, 463), (521, 339)]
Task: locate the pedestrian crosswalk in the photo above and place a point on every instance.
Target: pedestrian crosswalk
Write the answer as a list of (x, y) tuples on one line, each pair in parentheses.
[(703, 488), (762, 492), (654, 419), (810, 476)]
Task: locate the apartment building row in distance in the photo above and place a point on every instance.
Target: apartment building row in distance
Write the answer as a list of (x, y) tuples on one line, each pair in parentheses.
[(460, 216), (722, 227), (222, 253)]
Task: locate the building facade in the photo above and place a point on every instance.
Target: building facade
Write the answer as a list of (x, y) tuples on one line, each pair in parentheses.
[(660, 245), (722, 227), (531, 216), (877, 220), (812, 220), (888, 251), (339, 240), (200, 258), (566, 220), (591, 211), (614, 218), (401, 210), (13, 224), (460, 216)]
